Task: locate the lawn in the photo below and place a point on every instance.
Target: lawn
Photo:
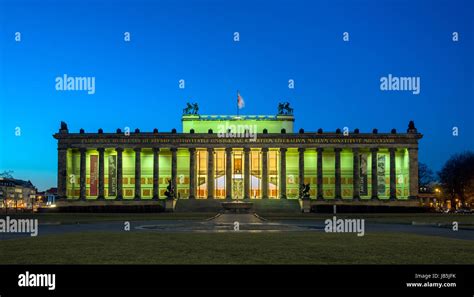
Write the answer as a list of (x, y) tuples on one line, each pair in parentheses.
[(73, 218), (396, 218), (235, 248)]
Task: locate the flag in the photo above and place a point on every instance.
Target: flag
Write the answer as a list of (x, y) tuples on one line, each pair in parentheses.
[(240, 101)]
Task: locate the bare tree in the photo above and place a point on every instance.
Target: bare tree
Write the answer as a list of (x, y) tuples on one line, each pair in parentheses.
[(425, 175), (457, 177), (6, 174)]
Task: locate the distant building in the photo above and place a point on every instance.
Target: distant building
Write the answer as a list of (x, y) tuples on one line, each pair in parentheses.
[(48, 197), (16, 193)]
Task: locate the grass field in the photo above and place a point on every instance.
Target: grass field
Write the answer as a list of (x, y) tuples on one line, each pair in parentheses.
[(400, 218), (235, 248)]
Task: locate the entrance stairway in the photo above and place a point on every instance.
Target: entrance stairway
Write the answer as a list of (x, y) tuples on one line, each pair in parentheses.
[(199, 205), (259, 205)]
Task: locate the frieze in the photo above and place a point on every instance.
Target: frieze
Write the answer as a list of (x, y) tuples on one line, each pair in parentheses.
[(258, 141)]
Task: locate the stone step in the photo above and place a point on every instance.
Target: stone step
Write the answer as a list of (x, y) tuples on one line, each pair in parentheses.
[(259, 205), (198, 205)]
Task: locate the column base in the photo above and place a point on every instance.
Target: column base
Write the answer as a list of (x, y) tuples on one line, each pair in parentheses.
[(192, 197), (100, 198), (210, 197), (393, 198), (374, 198), (137, 198), (119, 198)]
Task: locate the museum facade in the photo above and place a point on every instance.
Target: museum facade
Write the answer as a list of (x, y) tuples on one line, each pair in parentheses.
[(237, 157)]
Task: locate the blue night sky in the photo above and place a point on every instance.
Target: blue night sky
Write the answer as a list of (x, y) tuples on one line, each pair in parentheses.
[(337, 83)]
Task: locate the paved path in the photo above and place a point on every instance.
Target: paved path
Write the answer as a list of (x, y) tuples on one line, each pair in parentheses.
[(247, 223)]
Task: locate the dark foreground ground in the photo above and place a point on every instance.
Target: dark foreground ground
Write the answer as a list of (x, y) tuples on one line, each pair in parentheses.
[(236, 248), (282, 239)]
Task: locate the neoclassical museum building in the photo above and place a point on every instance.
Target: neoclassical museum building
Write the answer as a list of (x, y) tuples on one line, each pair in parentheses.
[(238, 157)]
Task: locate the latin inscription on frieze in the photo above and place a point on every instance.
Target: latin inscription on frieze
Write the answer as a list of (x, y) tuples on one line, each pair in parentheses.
[(239, 141)]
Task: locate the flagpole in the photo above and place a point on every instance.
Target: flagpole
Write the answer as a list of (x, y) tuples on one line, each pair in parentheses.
[(237, 103)]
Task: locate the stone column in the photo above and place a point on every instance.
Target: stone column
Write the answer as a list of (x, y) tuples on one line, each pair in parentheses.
[(119, 151), (300, 169), (374, 172), (174, 170), (283, 172), (62, 173), (156, 173), (356, 174), (393, 177), (228, 173), (264, 173), (210, 173), (192, 173), (246, 173), (138, 174), (82, 178), (101, 174), (413, 169), (338, 187), (320, 172)]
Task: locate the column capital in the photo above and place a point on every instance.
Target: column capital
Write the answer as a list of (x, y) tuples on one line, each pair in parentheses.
[(228, 149), (119, 149), (137, 149), (174, 149), (247, 149), (283, 149), (337, 149), (355, 149), (192, 149), (101, 149), (412, 149), (392, 149), (320, 149), (210, 150), (156, 149), (374, 149), (301, 149), (264, 149), (82, 150)]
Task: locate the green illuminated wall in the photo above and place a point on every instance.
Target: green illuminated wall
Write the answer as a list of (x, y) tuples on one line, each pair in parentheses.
[(128, 158), (310, 174), (201, 124), (165, 170), (146, 164), (402, 173), (384, 152), (73, 173), (183, 173), (329, 180), (347, 171), (292, 171), (369, 174)]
